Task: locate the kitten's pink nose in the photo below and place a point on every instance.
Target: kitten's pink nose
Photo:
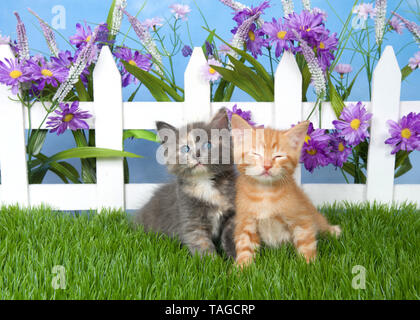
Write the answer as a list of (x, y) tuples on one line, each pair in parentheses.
[(267, 166)]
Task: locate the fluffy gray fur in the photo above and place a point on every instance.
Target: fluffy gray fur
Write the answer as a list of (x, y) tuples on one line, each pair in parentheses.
[(198, 206)]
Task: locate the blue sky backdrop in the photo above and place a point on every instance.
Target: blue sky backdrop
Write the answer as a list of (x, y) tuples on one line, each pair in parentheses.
[(218, 17)]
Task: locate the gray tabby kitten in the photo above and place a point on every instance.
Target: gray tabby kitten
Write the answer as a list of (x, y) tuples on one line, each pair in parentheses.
[(198, 206)]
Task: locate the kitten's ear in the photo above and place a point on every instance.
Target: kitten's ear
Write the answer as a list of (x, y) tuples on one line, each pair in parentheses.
[(239, 126), (161, 127), (220, 120), (297, 135)]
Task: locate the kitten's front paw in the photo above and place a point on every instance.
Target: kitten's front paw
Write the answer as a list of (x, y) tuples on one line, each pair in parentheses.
[(244, 261), (335, 231)]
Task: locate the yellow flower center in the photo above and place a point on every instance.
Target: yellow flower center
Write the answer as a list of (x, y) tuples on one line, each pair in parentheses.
[(46, 73), (15, 74), (281, 34), (251, 35), (88, 38), (68, 117), (355, 124), (309, 29), (312, 152), (322, 45), (406, 133), (133, 63), (341, 147), (212, 71), (307, 139)]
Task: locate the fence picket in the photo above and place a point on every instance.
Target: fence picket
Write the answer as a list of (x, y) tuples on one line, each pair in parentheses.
[(14, 177), (109, 130), (386, 88), (288, 97), (197, 90)]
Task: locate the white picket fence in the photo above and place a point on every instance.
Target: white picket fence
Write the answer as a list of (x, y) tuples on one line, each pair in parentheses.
[(112, 115)]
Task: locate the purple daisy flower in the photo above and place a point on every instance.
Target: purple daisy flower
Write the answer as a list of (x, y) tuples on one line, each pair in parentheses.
[(68, 118), (82, 36), (242, 15), (343, 69), (314, 155), (246, 115), (405, 135), (46, 73), (137, 59), (396, 25), (63, 60), (255, 41), (325, 46), (209, 73), (414, 62), (308, 25), (354, 123), (319, 135), (278, 35), (340, 151), (12, 73), (180, 11)]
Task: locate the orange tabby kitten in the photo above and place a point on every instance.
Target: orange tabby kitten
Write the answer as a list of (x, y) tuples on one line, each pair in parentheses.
[(270, 207)]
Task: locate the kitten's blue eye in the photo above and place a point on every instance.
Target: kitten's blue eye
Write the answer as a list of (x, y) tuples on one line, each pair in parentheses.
[(185, 149)]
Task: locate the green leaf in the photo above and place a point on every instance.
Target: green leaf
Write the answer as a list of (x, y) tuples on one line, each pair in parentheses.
[(109, 19), (336, 102), (254, 80), (88, 165), (82, 93), (241, 83), (350, 168), (258, 66), (61, 169), (36, 141), (140, 134), (306, 81), (404, 167), (157, 87), (133, 95), (405, 72), (90, 152)]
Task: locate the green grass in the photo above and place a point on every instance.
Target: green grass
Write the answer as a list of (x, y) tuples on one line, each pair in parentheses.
[(106, 259)]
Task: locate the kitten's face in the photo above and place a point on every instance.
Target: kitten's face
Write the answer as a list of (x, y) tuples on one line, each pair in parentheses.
[(267, 155), (199, 148)]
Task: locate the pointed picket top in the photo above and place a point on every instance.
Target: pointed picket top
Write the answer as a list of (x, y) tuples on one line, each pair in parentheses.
[(14, 177), (197, 89), (386, 88), (109, 130), (287, 92), (106, 66), (288, 97)]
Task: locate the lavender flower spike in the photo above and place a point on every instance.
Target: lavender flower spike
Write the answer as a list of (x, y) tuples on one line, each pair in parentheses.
[(241, 35), (411, 26), (146, 39), (288, 7), (380, 8), (76, 69), (306, 4), (117, 16), (314, 67), (22, 44), (48, 34)]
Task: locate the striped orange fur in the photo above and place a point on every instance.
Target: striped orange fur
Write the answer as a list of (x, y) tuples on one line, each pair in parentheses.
[(270, 207)]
